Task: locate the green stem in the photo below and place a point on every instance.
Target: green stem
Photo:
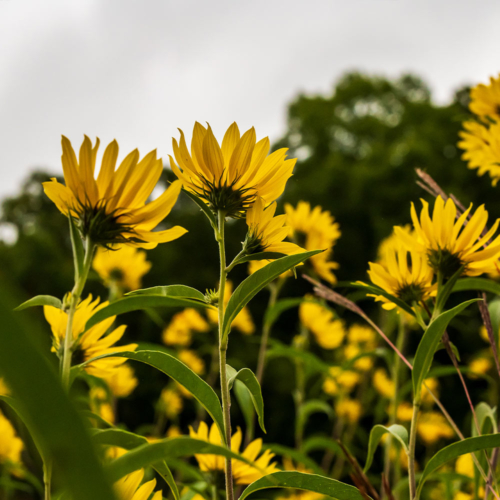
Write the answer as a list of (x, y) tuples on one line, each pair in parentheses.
[(47, 478), (226, 400), (73, 302), (299, 394), (411, 451)]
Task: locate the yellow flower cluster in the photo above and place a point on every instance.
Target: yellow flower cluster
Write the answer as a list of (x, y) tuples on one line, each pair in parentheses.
[(10, 444), (328, 331), (182, 325), (129, 487)]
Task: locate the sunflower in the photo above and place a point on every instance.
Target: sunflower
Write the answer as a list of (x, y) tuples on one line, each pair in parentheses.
[(485, 99), (404, 274), (450, 245), (94, 342), (129, 487), (314, 229), (231, 176), (242, 472), (266, 232), (328, 331), (11, 445), (121, 266), (112, 208)]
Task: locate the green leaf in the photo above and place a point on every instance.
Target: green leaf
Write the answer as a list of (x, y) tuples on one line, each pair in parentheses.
[(454, 450), (484, 412), (274, 312), (248, 378), (129, 441), (397, 431), (152, 453), (260, 256), (182, 291), (245, 401), (445, 291), (183, 375), (494, 310), (477, 284), (47, 411), (256, 282), (429, 342), (310, 407), (315, 443), (294, 454), (308, 482), (128, 304), (90, 415), (203, 207), (40, 300), (77, 246)]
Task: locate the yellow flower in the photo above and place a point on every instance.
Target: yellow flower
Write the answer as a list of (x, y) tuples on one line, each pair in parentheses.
[(460, 495), (179, 331), (314, 229), (192, 360), (266, 232), (383, 384), (231, 176), (112, 208), (121, 266), (243, 321), (328, 331), (10, 445), (410, 283), (121, 381), (404, 412), (94, 342), (4, 390), (364, 363), (364, 335), (129, 487), (449, 245), (485, 99), (171, 402), (432, 427), (465, 465), (173, 431), (340, 380), (480, 366), (99, 402), (255, 265), (433, 384), (349, 409), (242, 472)]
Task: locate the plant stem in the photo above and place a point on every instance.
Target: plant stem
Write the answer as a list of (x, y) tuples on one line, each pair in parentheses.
[(411, 452), (73, 302), (47, 477), (226, 401)]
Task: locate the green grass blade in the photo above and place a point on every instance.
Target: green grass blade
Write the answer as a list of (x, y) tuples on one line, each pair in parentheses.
[(397, 431)]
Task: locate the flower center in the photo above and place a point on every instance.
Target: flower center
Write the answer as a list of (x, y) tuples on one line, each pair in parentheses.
[(116, 275), (444, 262), (411, 292)]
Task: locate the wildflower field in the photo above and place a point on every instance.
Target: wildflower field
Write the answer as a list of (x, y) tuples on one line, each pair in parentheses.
[(316, 318)]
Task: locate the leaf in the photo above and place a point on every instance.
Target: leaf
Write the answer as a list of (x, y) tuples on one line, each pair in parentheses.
[(204, 208), (484, 412), (94, 416), (310, 407), (40, 300), (151, 453), (47, 411), (129, 441), (477, 284), (128, 304), (429, 342), (454, 450), (308, 482), (256, 282), (316, 443), (183, 291), (248, 378), (294, 454), (494, 310), (274, 312), (260, 256), (77, 246), (397, 431), (245, 402), (445, 291), (177, 370)]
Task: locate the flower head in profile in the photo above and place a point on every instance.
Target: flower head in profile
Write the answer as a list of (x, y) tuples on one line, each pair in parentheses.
[(112, 208), (94, 342), (243, 473), (121, 266), (266, 232), (314, 229), (129, 488), (230, 176), (328, 331), (11, 445), (449, 243), (485, 99)]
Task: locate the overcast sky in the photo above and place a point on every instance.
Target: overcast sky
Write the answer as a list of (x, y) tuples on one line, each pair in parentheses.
[(135, 70)]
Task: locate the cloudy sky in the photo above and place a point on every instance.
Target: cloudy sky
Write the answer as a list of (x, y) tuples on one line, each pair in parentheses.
[(136, 70)]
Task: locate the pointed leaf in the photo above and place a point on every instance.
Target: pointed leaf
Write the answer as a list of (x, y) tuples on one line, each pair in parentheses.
[(454, 450), (397, 431), (183, 375), (429, 342), (260, 256), (182, 291), (316, 443), (485, 412), (308, 482), (135, 303), (310, 407), (248, 378), (245, 401), (256, 282), (477, 284), (40, 300)]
